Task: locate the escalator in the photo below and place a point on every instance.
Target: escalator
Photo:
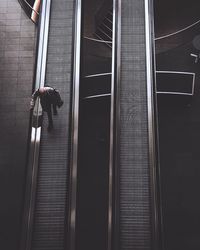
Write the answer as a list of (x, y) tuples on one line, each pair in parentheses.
[(75, 199), (47, 222), (47, 194)]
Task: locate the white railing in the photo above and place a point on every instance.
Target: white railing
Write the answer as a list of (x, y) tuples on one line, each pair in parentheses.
[(191, 93)]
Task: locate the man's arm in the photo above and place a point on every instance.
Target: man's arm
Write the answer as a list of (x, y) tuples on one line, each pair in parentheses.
[(33, 98)]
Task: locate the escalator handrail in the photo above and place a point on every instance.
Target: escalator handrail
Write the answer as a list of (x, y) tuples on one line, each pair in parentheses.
[(33, 157), (75, 123), (114, 161), (152, 131)]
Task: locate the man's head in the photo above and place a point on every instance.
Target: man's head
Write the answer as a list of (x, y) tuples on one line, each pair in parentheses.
[(42, 90)]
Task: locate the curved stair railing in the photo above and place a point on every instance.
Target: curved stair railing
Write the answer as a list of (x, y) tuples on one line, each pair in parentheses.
[(104, 23)]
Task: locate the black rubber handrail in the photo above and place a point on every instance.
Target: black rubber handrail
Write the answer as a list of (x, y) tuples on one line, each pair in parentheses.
[(33, 158), (152, 125)]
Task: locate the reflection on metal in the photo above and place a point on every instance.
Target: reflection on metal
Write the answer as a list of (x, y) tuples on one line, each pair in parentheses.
[(97, 40), (96, 96), (75, 121), (114, 164), (114, 116), (33, 135), (43, 44), (191, 93), (178, 32), (97, 75), (150, 67), (37, 110), (36, 127), (112, 110)]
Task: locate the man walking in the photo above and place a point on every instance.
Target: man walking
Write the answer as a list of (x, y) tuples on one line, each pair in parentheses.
[(49, 97)]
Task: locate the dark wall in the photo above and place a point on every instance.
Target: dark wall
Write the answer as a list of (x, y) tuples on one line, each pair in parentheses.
[(17, 56)]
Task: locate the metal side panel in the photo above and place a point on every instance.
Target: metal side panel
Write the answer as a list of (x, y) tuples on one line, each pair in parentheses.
[(135, 208), (50, 214)]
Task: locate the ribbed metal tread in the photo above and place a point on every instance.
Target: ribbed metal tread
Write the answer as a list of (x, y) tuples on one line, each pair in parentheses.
[(135, 196), (51, 197)]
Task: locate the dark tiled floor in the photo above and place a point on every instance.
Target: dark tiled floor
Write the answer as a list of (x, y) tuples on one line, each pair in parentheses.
[(89, 24), (171, 15), (179, 132), (17, 57)]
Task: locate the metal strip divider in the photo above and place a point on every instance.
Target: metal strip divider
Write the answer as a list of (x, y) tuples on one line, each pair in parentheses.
[(114, 119), (116, 81), (75, 119), (113, 208), (33, 157), (152, 134), (75, 123)]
